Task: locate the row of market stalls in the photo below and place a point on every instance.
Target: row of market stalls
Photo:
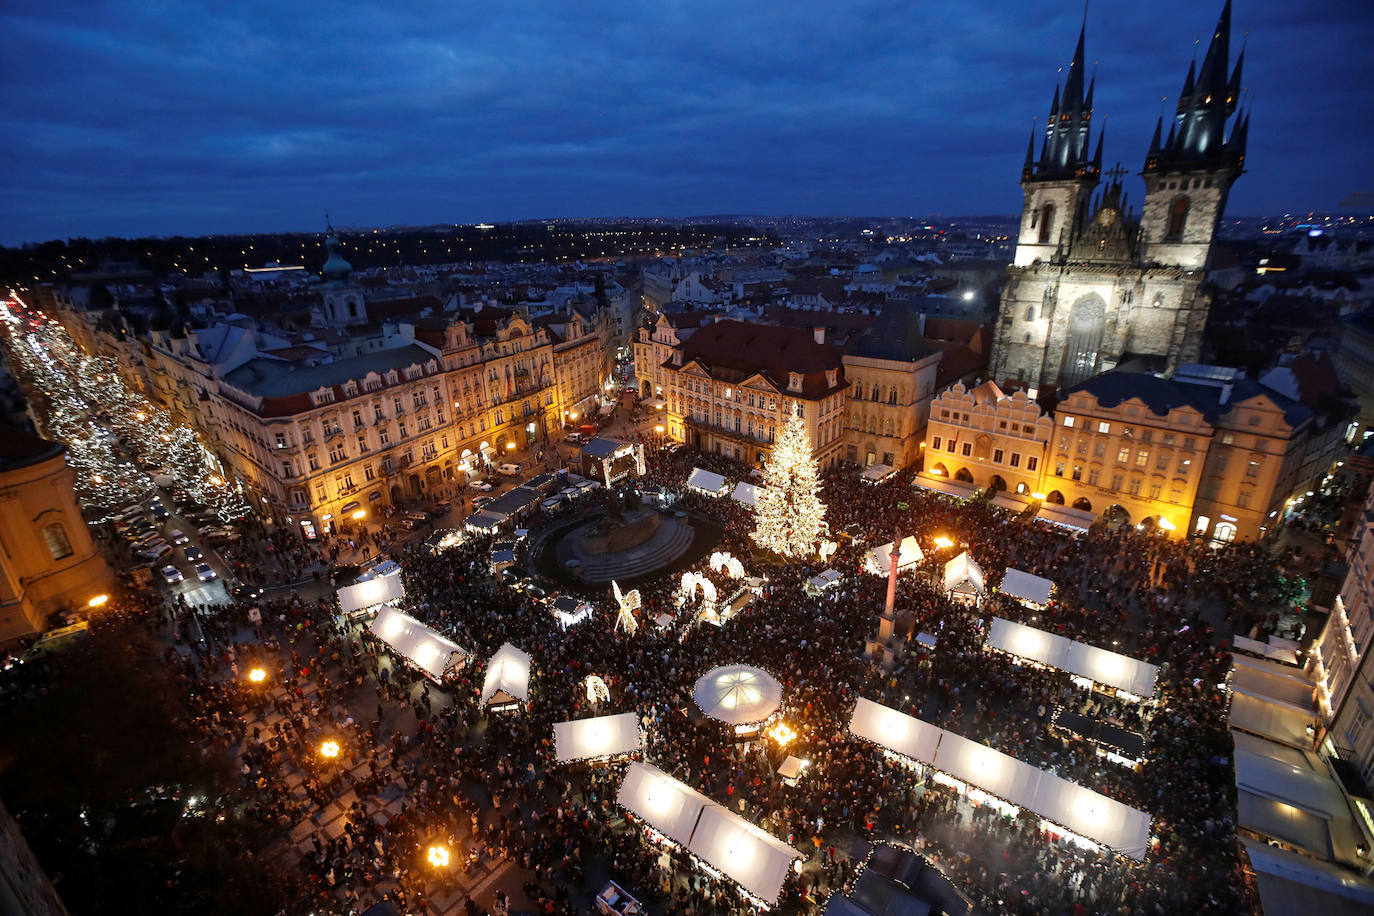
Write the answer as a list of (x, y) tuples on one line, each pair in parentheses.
[(1129, 678), (990, 777), (1066, 517), (709, 483)]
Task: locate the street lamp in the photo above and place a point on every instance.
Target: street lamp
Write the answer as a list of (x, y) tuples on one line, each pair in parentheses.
[(782, 734), (360, 514), (257, 676), (329, 749), (943, 542), (438, 855), (98, 601)]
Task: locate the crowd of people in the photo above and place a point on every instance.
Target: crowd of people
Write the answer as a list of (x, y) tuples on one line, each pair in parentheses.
[(422, 763)]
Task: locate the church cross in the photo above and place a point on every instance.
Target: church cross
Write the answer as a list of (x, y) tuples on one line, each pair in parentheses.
[(1116, 173)]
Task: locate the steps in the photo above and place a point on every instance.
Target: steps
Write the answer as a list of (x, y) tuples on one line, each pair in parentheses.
[(671, 541)]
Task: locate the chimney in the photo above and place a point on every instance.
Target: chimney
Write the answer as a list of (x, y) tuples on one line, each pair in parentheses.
[(819, 334)]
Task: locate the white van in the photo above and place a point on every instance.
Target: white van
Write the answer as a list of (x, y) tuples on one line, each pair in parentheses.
[(508, 470)]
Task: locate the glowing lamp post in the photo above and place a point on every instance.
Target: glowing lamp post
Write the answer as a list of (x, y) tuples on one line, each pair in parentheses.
[(360, 514), (438, 855), (329, 749), (782, 734), (257, 675), (98, 601), (943, 542)]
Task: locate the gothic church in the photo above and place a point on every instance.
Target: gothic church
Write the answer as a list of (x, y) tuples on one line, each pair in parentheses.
[(1092, 283)]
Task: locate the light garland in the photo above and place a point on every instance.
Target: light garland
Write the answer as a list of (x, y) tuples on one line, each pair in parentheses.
[(789, 515)]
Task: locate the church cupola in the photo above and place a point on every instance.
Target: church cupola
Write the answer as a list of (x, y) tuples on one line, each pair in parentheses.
[(336, 270)]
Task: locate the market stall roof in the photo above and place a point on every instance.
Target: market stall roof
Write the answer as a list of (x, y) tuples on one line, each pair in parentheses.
[(569, 610), (668, 806), (944, 486), (485, 520), (1010, 501), (508, 675), (1291, 884), (422, 645), (825, 580), (756, 860), (894, 730), (371, 591), (1099, 665), (1275, 721), (1266, 680), (1065, 517), (707, 482), (738, 694), (1023, 586), (878, 560), (1284, 779), (875, 473), (745, 493), (963, 574), (603, 447), (1278, 653), (603, 736)]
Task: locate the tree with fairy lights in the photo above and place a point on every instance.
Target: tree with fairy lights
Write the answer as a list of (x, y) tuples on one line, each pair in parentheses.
[(788, 512)]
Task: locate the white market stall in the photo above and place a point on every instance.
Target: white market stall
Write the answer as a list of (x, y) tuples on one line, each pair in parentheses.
[(423, 646), (507, 681), (878, 561), (707, 482), (964, 580), (1032, 591), (944, 486), (724, 841), (602, 736), (1067, 517), (666, 805), (568, 610), (898, 732), (1111, 669), (738, 695), (877, 473), (370, 591), (824, 581), (745, 493), (757, 861)]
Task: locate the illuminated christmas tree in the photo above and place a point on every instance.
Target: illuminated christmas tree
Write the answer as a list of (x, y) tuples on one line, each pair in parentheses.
[(789, 514)]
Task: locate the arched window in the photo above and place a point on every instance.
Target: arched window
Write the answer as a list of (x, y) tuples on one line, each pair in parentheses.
[(888, 428), (1046, 223), (1030, 313), (892, 396), (352, 308), (875, 392), (1178, 218), (56, 537)]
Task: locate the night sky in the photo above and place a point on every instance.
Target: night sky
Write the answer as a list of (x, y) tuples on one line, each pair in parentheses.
[(137, 117)]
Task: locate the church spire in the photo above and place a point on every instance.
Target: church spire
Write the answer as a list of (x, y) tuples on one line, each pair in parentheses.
[(1197, 138), (1066, 153)]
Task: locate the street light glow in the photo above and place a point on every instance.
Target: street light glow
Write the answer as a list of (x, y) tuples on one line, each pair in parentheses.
[(438, 856), (943, 542), (98, 601), (257, 676), (329, 749)]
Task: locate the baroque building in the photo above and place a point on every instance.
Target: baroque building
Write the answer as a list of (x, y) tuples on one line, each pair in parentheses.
[(1093, 283)]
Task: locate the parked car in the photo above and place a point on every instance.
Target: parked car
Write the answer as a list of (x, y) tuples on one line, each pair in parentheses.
[(480, 485), (204, 572), (179, 537), (192, 553), (480, 501), (171, 574), (510, 469), (153, 554), (160, 513), (222, 536)]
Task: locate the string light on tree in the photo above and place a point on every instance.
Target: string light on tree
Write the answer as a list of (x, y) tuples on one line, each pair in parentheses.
[(788, 512)]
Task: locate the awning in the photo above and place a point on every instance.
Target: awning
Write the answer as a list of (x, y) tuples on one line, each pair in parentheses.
[(1023, 586), (1275, 721), (1065, 517), (945, 486), (1010, 501), (825, 580), (707, 482), (371, 591), (875, 473), (603, 736), (665, 804), (1291, 884), (1271, 681), (485, 520), (745, 493)]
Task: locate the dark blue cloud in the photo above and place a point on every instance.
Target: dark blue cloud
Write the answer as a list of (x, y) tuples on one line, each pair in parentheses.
[(138, 116)]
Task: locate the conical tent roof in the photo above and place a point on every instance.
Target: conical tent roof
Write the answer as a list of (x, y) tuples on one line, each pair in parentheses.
[(738, 694)]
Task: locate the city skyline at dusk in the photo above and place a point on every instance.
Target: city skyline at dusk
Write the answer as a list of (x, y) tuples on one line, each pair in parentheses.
[(139, 122)]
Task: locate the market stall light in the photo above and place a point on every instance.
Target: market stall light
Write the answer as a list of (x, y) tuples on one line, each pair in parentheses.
[(439, 855), (257, 675), (943, 542), (98, 601), (329, 749)]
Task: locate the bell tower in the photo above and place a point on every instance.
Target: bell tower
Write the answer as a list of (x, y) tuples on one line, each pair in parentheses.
[(1189, 174), (1059, 183)]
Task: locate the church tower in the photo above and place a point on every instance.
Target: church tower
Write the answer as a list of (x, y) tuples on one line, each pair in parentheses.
[(1092, 284), (343, 303)]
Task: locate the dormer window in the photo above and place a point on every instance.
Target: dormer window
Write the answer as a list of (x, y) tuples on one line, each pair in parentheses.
[(832, 377), (794, 381), (391, 377), (350, 388)]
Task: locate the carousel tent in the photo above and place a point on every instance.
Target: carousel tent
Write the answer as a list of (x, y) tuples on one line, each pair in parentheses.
[(738, 694), (896, 731), (1028, 589), (370, 592), (1099, 665), (756, 860), (602, 736), (710, 483), (665, 804), (879, 560), (745, 493), (963, 575), (508, 676), (418, 643)]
